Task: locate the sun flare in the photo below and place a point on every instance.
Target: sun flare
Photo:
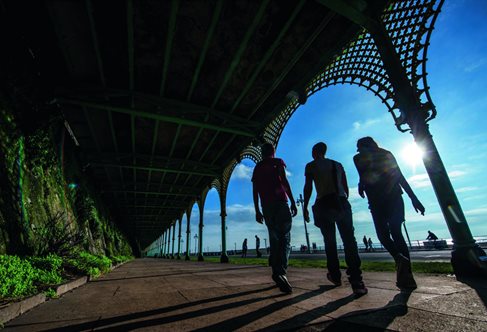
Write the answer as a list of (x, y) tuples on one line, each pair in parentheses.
[(412, 154)]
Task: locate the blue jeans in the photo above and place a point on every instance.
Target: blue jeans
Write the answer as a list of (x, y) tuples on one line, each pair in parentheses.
[(326, 221), (278, 221)]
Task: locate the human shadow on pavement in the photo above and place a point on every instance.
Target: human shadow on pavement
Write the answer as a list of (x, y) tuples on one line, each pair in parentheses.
[(480, 286), (308, 316), (98, 323), (369, 320), (240, 321)]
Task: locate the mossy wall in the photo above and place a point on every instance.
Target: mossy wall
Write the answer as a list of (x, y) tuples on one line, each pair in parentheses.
[(42, 186)]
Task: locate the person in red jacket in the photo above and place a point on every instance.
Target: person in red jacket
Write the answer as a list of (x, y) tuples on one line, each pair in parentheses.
[(270, 184)]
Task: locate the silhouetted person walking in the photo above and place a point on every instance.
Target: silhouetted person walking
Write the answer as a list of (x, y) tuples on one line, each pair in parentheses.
[(371, 248), (366, 243), (270, 184), (382, 180), (257, 246), (244, 248), (332, 206)]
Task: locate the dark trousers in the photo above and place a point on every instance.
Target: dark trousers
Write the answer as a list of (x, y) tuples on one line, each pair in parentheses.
[(388, 216), (326, 221), (278, 221)]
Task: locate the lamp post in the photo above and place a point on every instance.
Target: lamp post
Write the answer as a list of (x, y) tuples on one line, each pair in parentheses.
[(195, 243), (300, 201)]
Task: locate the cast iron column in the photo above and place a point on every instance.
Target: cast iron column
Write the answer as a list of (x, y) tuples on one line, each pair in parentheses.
[(173, 239), (224, 256), (200, 234), (188, 237), (179, 238), (467, 257)]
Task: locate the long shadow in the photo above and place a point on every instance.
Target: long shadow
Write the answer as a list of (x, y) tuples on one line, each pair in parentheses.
[(240, 321), (308, 316), (480, 286), (176, 273), (381, 318), (137, 315)]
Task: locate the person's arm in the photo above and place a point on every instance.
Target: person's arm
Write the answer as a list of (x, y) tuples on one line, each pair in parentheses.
[(361, 187), (344, 181), (307, 191), (418, 207), (255, 193), (287, 187)]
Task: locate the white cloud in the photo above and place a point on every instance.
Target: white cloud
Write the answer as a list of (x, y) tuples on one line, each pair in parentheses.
[(422, 180), (242, 172), (288, 173), (467, 189), (476, 212), (366, 124), (473, 66), (419, 181)]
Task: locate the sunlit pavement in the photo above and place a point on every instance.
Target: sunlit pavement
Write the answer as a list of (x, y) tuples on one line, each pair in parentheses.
[(171, 295)]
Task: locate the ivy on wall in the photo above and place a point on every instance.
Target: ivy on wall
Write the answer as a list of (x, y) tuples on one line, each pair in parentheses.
[(37, 207)]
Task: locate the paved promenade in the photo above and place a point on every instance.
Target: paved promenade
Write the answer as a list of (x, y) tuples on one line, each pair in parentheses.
[(170, 295)]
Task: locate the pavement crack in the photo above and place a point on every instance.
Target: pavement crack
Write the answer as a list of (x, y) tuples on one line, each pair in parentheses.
[(116, 290), (184, 297)]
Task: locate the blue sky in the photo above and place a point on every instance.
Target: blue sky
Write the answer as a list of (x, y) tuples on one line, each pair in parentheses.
[(339, 115)]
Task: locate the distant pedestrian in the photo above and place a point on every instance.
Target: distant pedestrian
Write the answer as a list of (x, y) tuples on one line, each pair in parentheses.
[(244, 248), (432, 236), (381, 179), (257, 247), (366, 243), (371, 248), (332, 208), (270, 184)]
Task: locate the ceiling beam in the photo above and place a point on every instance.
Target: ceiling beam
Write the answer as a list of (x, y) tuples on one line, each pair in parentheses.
[(209, 36), (323, 24), (158, 169), (268, 55), (89, 9), (352, 10), (149, 160), (130, 41), (157, 115), (170, 36), (138, 192), (243, 46)]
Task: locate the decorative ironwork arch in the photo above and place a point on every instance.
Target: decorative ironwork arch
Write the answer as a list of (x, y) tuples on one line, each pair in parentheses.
[(409, 25)]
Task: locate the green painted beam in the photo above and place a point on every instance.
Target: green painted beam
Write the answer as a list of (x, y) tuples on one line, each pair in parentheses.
[(158, 116), (268, 55), (174, 163), (323, 24), (170, 36), (89, 10), (130, 41), (352, 10), (149, 193), (158, 169), (243, 46), (209, 36)]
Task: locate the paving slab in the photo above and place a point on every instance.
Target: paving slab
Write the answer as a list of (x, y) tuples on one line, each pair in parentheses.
[(175, 295)]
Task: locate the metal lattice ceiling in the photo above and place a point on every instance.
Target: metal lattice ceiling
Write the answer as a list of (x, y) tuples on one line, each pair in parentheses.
[(163, 95)]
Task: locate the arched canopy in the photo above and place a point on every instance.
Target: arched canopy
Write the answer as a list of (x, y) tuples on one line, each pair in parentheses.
[(164, 97)]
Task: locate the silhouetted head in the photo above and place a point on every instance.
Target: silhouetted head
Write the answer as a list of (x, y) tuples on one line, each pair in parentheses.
[(366, 143), (319, 150), (268, 150)]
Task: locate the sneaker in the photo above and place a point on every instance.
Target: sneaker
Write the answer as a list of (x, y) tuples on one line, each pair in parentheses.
[(335, 282), (283, 284), (359, 289)]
